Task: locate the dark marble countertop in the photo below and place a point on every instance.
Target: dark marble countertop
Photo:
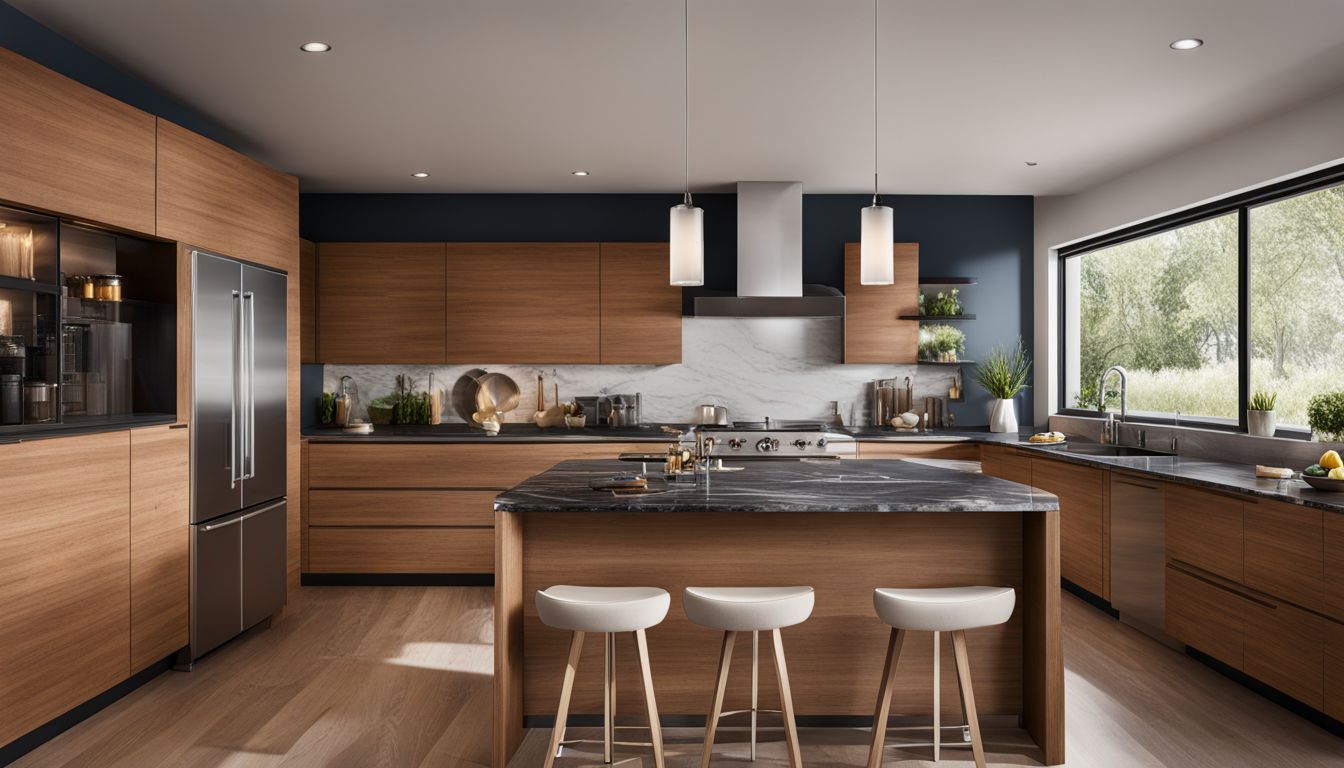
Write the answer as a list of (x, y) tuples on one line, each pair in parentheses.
[(509, 433), (785, 486), (83, 425)]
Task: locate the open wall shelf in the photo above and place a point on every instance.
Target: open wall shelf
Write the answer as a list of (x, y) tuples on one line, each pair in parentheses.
[(927, 280), (937, 318), (939, 362)]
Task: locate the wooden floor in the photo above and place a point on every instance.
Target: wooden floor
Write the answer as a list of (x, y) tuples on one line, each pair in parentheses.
[(401, 676)]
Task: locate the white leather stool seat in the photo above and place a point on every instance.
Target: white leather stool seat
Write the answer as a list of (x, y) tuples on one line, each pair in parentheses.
[(748, 609), (602, 609), (945, 609)]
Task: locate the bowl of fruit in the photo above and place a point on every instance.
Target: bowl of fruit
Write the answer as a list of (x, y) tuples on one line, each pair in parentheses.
[(1328, 475)]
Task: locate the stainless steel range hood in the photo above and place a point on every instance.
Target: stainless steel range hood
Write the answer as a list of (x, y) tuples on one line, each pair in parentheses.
[(770, 259)]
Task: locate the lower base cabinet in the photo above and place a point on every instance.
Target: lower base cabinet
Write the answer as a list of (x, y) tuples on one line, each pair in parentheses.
[(1206, 617), (1334, 670), (1285, 649), (1082, 493), (401, 550)]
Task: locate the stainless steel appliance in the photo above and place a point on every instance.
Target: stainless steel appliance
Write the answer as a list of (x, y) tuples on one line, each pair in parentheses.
[(96, 367), (1138, 555), (777, 440), (237, 448)]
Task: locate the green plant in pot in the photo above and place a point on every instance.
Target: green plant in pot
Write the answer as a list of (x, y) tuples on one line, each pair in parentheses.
[(1004, 375), (1325, 414), (943, 304), (1260, 419), (941, 343)]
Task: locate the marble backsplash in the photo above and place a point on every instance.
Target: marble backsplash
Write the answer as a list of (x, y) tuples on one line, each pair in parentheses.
[(784, 368)]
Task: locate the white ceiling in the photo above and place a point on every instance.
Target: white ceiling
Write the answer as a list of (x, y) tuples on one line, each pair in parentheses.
[(512, 95)]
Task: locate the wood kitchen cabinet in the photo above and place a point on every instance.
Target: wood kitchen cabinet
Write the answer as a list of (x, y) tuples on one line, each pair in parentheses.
[(640, 311), (70, 149), (1285, 649), (873, 331), (65, 629), (1006, 463), (308, 302), (1334, 565), (1205, 530), (524, 303), (1206, 616), (1285, 551), (878, 449), (217, 199), (1082, 535), (381, 302), (160, 543), (1334, 669)]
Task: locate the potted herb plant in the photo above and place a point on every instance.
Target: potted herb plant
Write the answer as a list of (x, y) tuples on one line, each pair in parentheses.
[(942, 305), (941, 343), (1260, 419), (1004, 375), (1325, 414)]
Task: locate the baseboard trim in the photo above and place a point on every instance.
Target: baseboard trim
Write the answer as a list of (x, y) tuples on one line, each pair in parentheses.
[(1305, 711), (1096, 601), (78, 714), (397, 580)]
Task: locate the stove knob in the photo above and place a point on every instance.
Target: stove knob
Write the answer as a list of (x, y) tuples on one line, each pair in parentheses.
[(765, 445), (735, 443), (801, 444), (821, 442)]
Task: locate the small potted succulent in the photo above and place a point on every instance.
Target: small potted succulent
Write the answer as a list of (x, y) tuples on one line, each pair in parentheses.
[(1260, 419), (1004, 374), (1325, 414)]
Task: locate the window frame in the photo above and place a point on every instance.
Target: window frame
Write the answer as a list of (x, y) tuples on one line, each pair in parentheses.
[(1240, 204)]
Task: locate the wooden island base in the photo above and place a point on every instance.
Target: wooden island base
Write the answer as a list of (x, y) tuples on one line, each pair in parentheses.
[(835, 658)]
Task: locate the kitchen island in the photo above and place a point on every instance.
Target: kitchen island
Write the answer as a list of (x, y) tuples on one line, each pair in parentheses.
[(841, 527)]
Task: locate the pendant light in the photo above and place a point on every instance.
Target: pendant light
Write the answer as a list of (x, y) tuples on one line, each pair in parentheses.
[(686, 238), (876, 258)]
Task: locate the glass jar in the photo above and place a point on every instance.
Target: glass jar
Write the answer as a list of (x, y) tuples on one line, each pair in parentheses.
[(107, 287)]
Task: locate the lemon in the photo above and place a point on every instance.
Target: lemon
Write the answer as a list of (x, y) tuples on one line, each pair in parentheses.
[(1337, 473), (1331, 460)]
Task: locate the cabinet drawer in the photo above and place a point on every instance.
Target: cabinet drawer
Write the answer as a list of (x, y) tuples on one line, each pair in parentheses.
[(1334, 670), (1206, 617), (1081, 491), (401, 550), (1205, 530), (454, 466), (1285, 649), (1285, 552), (1334, 565), (1005, 463), (356, 508), (894, 450)]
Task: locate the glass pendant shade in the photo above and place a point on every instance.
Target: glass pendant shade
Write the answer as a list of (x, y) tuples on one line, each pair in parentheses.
[(687, 241), (876, 258)]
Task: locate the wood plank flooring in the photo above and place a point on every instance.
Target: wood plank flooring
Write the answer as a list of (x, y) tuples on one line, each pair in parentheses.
[(401, 677)]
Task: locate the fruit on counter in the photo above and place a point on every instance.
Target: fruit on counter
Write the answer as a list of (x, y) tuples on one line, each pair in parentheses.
[(1316, 470), (1331, 460), (1047, 437), (1337, 473)]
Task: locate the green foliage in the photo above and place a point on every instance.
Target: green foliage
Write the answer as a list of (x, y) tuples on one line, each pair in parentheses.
[(943, 304), (938, 340), (1325, 414), (327, 408), (409, 406), (1004, 374), (1262, 400)]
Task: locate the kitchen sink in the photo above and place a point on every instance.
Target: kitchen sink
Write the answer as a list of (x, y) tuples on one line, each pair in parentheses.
[(1118, 451)]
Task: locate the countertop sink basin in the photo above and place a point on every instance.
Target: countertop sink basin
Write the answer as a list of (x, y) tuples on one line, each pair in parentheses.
[(1118, 451)]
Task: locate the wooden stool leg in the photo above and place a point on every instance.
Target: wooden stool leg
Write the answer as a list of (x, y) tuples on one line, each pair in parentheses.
[(655, 728), (968, 696), (609, 699), (884, 698), (720, 686), (937, 696), (755, 686), (566, 688), (786, 704)]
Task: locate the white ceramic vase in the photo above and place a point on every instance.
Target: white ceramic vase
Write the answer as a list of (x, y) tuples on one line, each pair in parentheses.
[(1261, 423), (1004, 417)]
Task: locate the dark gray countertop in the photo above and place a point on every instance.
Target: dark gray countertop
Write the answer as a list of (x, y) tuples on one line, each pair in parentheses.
[(509, 433), (82, 425), (785, 486)]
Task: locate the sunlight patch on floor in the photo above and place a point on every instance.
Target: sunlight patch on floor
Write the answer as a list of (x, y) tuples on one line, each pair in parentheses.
[(448, 657)]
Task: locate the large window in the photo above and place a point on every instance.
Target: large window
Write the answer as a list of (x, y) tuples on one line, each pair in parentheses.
[(1207, 306)]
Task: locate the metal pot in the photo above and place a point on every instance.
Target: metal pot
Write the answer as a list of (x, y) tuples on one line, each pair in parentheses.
[(710, 414), (39, 402)]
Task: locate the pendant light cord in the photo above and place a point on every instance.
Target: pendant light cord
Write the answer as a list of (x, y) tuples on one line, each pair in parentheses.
[(686, 99), (875, 198)]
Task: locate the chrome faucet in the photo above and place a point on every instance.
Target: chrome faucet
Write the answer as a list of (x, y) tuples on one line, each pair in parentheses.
[(1111, 433)]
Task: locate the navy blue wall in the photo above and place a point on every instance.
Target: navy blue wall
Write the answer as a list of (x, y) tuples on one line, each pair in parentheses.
[(986, 237), (21, 34)]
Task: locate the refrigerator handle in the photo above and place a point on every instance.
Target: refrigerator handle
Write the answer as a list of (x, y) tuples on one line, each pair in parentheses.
[(234, 462), (251, 446)]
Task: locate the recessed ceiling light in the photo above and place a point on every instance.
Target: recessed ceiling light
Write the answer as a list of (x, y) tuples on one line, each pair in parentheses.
[(1186, 44), (315, 47), (1032, 163), (421, 174), (579, 173)]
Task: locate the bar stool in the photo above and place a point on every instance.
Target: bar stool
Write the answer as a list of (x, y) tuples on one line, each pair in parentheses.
[(607, 610), (954, 610), (750, 609)]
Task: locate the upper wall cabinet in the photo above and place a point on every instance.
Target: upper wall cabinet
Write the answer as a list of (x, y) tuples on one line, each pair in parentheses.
[(523, 303), (873, 332), (641, 312), (67, 148), (381, 302), (214, 198)]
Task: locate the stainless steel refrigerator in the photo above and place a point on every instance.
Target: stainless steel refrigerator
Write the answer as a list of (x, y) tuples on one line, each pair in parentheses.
[(237, 448)]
